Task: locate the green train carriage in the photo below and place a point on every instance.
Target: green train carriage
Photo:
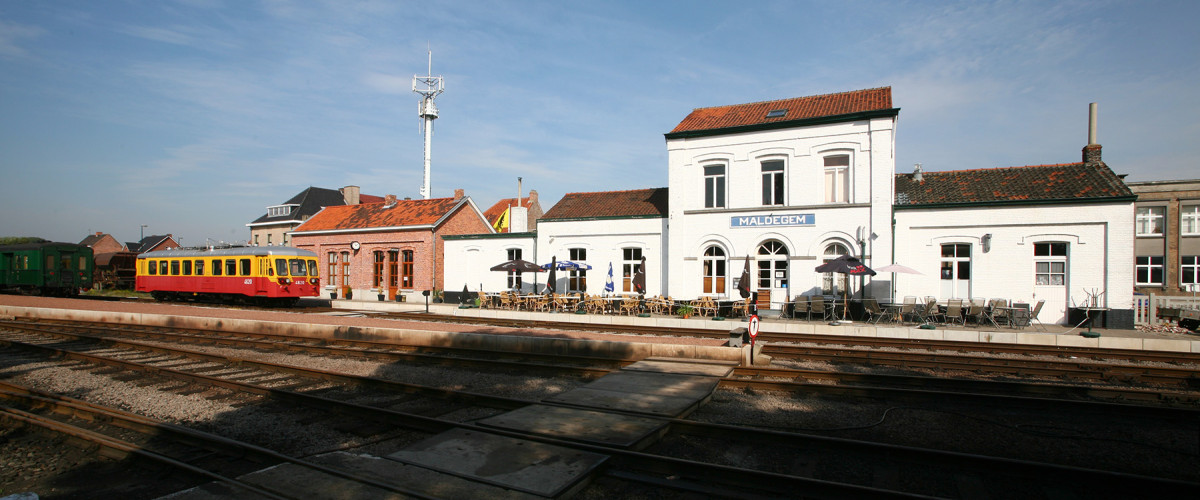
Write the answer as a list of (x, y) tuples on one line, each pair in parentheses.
[(50, 268)]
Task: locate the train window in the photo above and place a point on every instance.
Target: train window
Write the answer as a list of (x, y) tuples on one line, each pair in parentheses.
[(82, 263), (162, 267), (174, 268), (245, 267), (49, 263), (312, 267), (297, 267), (199, 267), (231, 267), (216, 267), (187, 268), (152, 267), (281, 267)]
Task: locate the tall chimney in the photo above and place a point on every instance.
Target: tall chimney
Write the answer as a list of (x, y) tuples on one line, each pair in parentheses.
[(1091, 152), (518, 191)]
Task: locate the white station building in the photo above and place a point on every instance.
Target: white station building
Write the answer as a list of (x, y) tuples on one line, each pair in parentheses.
[(787, 185)]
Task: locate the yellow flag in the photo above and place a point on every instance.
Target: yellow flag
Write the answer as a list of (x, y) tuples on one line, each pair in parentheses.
[(502, 222)]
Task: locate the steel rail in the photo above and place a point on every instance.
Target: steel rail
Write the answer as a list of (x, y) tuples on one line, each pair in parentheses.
[(149, 426)]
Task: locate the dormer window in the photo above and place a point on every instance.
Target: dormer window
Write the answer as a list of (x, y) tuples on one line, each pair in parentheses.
[(280, 210), (776, 113)]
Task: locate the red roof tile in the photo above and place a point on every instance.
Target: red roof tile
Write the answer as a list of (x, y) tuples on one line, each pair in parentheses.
[(635, 203), (496, 210), (1068, 181), (799, 108), (373, 215)]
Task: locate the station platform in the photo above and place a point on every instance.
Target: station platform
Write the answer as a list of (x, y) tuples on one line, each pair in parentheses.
[(771, 322)]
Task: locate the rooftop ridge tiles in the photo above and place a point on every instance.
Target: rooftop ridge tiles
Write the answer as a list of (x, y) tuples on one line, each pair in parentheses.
[(817, 96)]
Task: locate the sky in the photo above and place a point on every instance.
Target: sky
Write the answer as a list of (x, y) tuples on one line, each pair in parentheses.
[(190, 117)]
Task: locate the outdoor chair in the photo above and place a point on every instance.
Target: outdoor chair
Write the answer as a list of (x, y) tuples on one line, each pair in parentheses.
[(539, 303), (800, 306), (980, 314), (1019, 316), (705, 306), (816, 305), (630, 305), (931, 311), (1033, 315), (740, 308), (954, 313), (561, 303), (875, 314), (506, 301)]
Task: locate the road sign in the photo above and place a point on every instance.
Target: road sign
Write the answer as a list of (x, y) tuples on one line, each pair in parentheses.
[(753, 326)]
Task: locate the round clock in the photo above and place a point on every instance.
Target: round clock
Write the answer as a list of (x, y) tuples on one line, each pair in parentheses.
[(355, 245)]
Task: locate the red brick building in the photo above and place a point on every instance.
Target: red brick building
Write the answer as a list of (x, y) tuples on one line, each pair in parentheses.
[(386, 249)]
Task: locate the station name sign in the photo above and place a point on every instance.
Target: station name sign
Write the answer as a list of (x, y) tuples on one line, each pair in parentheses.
[(773, 220)]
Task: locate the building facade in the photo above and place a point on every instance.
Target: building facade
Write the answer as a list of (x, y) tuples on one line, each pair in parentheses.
[(1059, 233), (1167, 235), (387, 249), (784, 184), (271, 229)]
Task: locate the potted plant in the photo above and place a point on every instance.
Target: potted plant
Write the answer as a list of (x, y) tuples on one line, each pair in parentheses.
[(685, 310)]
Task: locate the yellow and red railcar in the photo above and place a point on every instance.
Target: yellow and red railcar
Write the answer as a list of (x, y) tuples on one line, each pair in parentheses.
[(264, 275)]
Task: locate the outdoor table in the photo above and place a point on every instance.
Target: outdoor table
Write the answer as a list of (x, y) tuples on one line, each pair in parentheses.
[(1087, 311)]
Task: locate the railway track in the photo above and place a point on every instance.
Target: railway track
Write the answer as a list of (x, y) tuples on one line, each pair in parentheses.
[(684, 436)]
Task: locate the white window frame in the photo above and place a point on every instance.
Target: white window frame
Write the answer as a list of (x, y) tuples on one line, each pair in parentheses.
[(1049, 265), (833, 251), (1149, 266), (513, 281), (1189, 220), (774, 182), (1189, 264), (715, 271), (631, 262), (577, 278), (1151, 220), (717, 185), (837, 191)]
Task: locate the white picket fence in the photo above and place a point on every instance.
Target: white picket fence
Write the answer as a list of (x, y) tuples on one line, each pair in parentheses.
[(1145, 307)]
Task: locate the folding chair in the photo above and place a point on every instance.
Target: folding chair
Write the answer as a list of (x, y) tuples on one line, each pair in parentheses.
[(1033, 315), (875, 313), (954, 313), (816, 305)]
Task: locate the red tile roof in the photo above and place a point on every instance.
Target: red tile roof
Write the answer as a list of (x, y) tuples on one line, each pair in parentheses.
[(797, 109), (635, 203), (496, 210), (373, 215), (1029, 184)]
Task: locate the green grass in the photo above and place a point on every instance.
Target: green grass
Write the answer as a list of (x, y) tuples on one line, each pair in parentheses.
[(116, 293)]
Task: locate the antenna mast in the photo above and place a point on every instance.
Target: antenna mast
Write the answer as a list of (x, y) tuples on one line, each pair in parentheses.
[(428, 86)]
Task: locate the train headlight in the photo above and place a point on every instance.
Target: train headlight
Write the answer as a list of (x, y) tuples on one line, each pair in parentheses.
[(284, 281), (315, 281)]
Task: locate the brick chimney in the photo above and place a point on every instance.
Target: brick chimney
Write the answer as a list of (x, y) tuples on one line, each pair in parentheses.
[(458, 194), (532, 197), (389, 201)]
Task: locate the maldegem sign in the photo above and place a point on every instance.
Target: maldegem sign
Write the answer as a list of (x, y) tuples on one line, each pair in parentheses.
[(773, 220)]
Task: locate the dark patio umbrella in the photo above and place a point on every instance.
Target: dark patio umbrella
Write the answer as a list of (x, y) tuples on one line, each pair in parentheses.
[(845, 265), (639, 278), (550, 281), (519, 265), (744, 282)]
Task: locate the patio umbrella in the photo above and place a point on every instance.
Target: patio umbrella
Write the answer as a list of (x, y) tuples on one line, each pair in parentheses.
[(550, 281), (639, 278), (849, 266), (520, 266), (568, 265), (897, 268), (744, 281), (608, 285)]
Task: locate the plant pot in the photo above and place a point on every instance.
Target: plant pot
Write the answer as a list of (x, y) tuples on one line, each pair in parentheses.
[(332, 295), (349, 295), (381, 297)]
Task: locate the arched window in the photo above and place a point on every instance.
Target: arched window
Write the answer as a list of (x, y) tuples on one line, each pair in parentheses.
[(828, 285), (714, 270), (772, 265)]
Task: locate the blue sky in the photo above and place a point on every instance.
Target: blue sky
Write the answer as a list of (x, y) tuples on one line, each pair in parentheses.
[(192, 116)]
